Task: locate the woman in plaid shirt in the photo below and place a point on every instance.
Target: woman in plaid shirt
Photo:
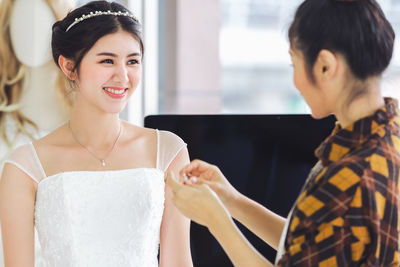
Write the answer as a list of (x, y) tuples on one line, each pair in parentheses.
[(348, 211)]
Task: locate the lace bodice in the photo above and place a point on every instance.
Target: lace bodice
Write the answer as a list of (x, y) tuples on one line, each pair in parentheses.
[(100, 218)]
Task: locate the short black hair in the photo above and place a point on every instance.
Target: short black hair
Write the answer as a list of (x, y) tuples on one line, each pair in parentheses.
[(79, 39), (357, 29)]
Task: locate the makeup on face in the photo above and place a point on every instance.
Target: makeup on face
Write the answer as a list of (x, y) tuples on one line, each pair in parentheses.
[(109, 74), (115, 92)]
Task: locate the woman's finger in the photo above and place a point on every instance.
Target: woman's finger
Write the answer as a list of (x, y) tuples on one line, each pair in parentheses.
[(200, 181), (195, 167), (193, 180)]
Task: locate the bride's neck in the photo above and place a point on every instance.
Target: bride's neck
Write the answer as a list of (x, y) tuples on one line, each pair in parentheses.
[(93, 128)]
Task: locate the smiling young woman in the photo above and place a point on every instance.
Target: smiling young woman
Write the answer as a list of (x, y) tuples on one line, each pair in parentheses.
[(94, 187), (108, 74)]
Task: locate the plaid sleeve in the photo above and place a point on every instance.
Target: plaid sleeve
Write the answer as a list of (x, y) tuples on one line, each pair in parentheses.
[(318, 234), (377, 202), (350, 218)]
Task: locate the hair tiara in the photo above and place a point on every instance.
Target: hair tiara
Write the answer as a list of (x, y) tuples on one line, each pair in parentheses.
[(100, 13)]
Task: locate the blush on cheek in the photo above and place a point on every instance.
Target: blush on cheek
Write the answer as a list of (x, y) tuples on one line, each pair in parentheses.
[(135, 80)]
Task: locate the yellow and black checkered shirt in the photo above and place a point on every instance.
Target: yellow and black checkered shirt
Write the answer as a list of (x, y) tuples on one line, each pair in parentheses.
[(348, 211)]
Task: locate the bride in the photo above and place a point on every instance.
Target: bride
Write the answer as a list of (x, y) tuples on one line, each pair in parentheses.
[(94, 188)]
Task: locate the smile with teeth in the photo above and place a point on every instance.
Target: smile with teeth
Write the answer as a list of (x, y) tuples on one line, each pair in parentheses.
[(114, 91)]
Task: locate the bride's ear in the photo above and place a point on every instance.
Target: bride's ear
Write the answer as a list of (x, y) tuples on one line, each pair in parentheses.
[(67, 67)]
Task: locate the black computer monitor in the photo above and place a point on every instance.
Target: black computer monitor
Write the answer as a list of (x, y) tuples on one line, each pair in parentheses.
[(266, 157)]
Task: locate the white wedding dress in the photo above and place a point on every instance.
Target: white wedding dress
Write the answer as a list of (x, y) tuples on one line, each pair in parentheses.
[(99, 218)]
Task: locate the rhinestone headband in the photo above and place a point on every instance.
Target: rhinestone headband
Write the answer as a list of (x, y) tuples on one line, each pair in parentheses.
[(100, 13)]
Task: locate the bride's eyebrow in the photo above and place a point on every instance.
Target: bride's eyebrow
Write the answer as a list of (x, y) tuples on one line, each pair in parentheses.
[(136, 54), (107, 54), (114, 55)]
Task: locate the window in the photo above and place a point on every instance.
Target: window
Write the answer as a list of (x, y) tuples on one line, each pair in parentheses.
[(256, 77)]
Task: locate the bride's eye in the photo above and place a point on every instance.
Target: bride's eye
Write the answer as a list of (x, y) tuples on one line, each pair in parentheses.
[(108, 61), (133, 62)]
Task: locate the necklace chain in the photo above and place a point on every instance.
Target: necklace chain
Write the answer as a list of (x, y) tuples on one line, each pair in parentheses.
[(102, 160)]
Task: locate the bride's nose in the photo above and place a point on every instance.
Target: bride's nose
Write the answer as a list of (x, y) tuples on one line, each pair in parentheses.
[(121, 74)]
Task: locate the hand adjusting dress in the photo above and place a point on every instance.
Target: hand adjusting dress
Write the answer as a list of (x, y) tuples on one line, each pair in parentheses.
[(100, 218)]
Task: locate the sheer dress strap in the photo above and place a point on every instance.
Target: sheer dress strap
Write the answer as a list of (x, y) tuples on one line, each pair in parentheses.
[(168, 147), (25, 159)]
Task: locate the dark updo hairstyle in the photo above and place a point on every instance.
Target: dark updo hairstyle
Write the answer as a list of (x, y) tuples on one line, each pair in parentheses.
[(357, 29), (79, 39)]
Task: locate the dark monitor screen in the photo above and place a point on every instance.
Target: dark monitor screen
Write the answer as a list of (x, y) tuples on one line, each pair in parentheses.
[(266, 157)]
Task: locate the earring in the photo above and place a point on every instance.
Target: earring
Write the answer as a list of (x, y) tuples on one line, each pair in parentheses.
[(71, 86)]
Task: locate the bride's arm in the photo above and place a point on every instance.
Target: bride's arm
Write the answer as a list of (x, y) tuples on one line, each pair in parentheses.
[(175, 228), (17, 200)]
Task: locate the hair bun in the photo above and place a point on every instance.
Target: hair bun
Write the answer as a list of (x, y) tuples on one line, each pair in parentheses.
[(357, 29)]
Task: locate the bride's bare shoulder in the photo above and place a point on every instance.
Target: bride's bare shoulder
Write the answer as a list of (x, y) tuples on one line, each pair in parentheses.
[(58, 137), (136, 131)]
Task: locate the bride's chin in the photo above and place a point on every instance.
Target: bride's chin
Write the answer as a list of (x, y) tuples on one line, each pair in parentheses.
[(115, 110)]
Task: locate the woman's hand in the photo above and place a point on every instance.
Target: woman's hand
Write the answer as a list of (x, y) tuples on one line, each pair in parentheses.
[(198, 202), (199, 172)]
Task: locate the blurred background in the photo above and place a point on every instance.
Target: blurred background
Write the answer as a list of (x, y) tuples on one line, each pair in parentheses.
[(201, 57), (226, 56)]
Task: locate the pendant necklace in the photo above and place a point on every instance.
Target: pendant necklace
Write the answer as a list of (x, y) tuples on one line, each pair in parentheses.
[(102, 160)]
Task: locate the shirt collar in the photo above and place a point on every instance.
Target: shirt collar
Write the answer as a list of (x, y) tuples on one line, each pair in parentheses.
[(343, 140)]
